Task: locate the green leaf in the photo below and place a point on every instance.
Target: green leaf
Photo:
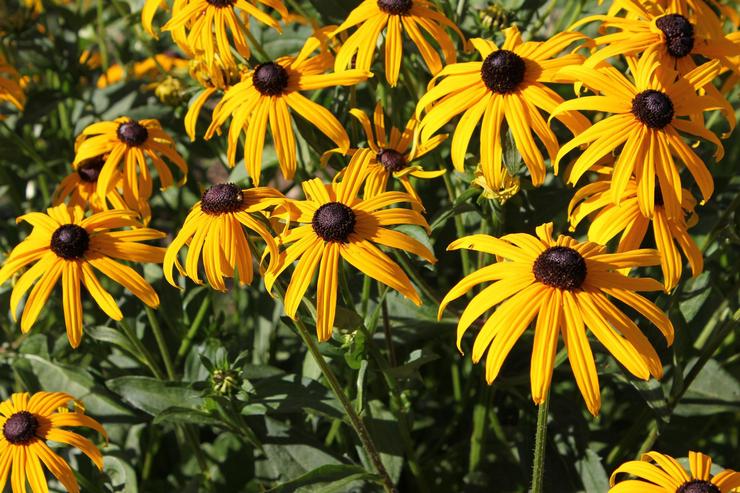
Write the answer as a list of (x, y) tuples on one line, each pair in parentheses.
[(292, 394), (337, 475), (187, 416), (113, 336), (122, 475), (714, 390), (592, 472), (154, 396), (416, 359)]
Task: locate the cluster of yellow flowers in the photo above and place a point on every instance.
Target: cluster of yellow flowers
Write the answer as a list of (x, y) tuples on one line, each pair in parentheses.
[(637, 152)]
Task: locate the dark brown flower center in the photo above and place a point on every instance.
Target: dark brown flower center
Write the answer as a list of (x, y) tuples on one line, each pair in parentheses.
[(89, 171), (679, 34), (560, 267), (221, 3), (502, 71), (220, 199), (70, 241), (270, 79), (392, 160), (653, 108), (698, 486), (132, 133), (334, 221), (395, 7), (20, 428)]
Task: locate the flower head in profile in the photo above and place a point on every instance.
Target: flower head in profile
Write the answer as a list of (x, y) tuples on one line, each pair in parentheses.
[(660, 473), (506, 88), (10, 89), (210, 26), (627, 220), (267, 94), (214, 232), (394, 154), (334, 222), (416, 18), (647, 120), (566, 286), (214, 78), (68, 246), (28, 422), (129, 146), (80, 189)]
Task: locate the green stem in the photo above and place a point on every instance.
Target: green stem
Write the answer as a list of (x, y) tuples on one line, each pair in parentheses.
[(388, 336), (187, 342), (417, 279), (357, 423), (257, 46), (538, 467), (161, 343), (366, 284), (143, 351), (459, 225)]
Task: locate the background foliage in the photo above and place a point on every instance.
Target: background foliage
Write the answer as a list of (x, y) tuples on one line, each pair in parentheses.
[(273, 425)]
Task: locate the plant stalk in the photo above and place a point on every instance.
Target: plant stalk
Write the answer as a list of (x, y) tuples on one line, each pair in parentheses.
[(540, 441)]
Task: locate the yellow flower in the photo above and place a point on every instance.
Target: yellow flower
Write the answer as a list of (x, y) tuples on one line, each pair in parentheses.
[(148, 69), (647, 120), (661, 473), (211, 25), (128, 143), (79, 189), (506, 85), (414, 17), (267, 94), (213, 77), (65, 244), (28, 422), (394, 155), (10, 88), (564, 284), (627, 220), (214, 231), (506, 190), (332, 222)]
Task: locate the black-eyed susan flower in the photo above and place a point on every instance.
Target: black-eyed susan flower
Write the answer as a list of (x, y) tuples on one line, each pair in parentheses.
[(394, 154), (267, 94), (10, 88), (566, 286), (416, 18), (28, 422), (507, 87), (212, 25), (674, 37), (80, 189), (660, 473), (334, 222), (646, 118), (627, 220), (213, 78), (509, 187), (65, 244), (214, 231), (129, 145)]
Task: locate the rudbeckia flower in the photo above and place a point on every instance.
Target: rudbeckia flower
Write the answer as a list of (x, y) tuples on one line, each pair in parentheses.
[(211, 25), (80, 189), (507, 85), (394, 155), (214, 231), (674, 37), (647, 120), (334, 222), (627, 220), (660, 473), (10, 89), (128, 143), (213, 77), (64, 244), (267, 94), (28, 423), (565, 285), (414, 17)]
